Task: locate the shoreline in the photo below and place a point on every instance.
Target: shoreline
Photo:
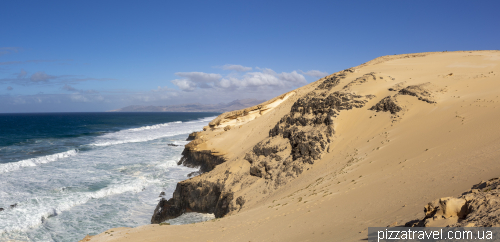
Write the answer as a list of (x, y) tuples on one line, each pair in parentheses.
[(368, 146)]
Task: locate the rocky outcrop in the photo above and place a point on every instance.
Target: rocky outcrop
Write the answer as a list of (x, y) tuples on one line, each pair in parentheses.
[(206, 160), (332, 81), (361, 80), (478, 207), (387, 104), (193, 157), (420, 91), (202, 197), (192, 136), (303, 135), (390, 104)]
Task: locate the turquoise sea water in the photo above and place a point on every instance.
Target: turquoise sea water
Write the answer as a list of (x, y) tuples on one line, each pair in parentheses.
[(73, 174)]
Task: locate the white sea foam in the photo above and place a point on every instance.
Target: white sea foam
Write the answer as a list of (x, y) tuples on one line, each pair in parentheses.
[(99, 187), (156, 126), (148, 133), (35, 211), (188, 218), (7, 167)]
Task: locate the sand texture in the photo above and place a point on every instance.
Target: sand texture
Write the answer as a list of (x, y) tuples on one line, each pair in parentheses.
[(368, 146)]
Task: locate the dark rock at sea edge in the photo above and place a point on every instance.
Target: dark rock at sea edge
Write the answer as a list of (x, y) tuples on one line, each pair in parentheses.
[(203, 159), (172, 145), (201, 197)]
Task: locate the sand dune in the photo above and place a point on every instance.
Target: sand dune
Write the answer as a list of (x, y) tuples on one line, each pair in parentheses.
[(369, 146)]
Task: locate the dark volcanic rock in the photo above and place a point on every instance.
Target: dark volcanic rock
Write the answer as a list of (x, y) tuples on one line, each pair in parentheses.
[(361, 80), (307, 130), (333, 80), (420, 91), (203, 159), (387, 104), (1, 209), (202, 197)]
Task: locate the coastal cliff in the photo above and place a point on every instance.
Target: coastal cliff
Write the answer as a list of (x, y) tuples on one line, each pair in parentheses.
[(364, 147)]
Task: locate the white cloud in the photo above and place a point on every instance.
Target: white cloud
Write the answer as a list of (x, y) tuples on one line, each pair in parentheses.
[(315, 73), (293, 77), (185, 84), (266, 77), (239, 68), (199, 77), (192, 80)]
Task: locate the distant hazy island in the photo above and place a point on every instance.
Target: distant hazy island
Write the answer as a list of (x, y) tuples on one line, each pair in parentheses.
[(194, 107)]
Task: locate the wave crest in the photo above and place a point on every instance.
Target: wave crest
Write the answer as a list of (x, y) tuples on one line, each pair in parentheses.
[(8, 167)]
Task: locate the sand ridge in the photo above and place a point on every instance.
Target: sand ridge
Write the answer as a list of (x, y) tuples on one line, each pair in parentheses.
[(378, 169)]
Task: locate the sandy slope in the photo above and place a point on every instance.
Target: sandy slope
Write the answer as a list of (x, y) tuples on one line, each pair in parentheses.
[(381, 168)]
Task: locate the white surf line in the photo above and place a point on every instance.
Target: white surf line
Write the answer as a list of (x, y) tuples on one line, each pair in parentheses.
[(12, 166)]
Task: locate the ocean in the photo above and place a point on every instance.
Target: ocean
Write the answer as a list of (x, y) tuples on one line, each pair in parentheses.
[(66, 175)]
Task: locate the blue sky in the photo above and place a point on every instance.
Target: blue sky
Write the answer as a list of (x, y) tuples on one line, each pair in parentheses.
[(80, 56)]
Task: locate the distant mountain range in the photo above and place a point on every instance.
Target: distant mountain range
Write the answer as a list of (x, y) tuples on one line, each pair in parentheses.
[(194, 107)]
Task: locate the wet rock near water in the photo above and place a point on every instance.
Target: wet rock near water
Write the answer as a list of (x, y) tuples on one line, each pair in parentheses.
[(204, 159), (201, 196)]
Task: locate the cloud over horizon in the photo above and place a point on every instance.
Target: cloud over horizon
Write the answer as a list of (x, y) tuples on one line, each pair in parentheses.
[(265, 78), (190, 87)]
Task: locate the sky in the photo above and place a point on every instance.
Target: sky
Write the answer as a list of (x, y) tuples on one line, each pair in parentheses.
[(93, 56)]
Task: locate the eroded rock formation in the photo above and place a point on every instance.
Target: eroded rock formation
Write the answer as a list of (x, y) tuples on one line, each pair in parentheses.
[(300, 138), (478, 207), (387, 104)]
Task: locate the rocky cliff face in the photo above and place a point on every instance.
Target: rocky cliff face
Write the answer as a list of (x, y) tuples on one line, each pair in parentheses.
[(300, 137)]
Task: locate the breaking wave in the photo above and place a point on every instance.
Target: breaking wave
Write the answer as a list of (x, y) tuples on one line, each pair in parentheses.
[(7, 167)]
